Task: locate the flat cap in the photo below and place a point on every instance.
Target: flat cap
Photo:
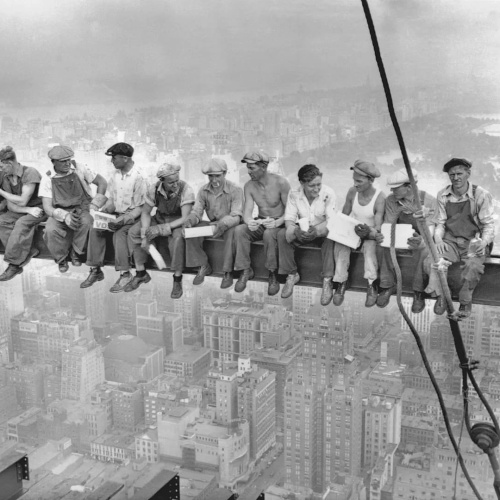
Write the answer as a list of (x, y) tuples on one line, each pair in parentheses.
[(7, 153), (215, 166), (454, 162), (167, 169), (120, 148), (255, 157), (400, 177), (60, 153), (365, 168)]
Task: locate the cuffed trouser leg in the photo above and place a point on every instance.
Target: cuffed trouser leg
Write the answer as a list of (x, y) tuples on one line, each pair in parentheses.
[(177, 249), (386, 269), (58, 238), (97, 248), (16, 234), (81, 235), (342, 258), (370, 257), (420, 269), (270, 238), (122, 256), (134, 242), (243, 238), (452, 254), (471, 274), (286, 254), (327, 257), (228, 261)]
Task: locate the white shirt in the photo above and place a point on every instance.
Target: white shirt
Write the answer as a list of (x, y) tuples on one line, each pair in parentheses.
[(298, 207)]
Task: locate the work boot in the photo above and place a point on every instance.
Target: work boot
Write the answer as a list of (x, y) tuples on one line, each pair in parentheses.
[(384, 296), (95, 275), (273, 286), (338, 296), (327, 292), (205, 270), (136, 282), (241, 284), (227, 280), (11, 271), (371, 294), (440, 305), (291, 281), (176, 289), (121, 282), (465, 309), (75, 258), (63, 266), (418, 304)]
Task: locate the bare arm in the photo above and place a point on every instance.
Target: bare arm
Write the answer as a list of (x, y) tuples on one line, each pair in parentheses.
[(101, 184), (22, 200), (249, 203), (185, 211), (348, 202), (285, 189), (146, 216), (47, 206)]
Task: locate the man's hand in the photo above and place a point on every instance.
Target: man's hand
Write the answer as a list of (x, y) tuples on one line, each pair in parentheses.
[(144, 243), (72, 221), (189, 222), (253, 225), (220, 229), (362, 230), (379, 238), (309, 235), (35, 211), (441, 247), (117, 224), (416, 241), (290, 234), (481, 247), (152, 232), (269, 223), (422, 214)]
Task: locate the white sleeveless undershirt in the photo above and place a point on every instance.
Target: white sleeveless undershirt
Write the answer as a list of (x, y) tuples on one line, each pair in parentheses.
[(365, 214)]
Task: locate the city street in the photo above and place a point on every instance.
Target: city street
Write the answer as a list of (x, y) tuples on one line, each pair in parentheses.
[(271, 474)]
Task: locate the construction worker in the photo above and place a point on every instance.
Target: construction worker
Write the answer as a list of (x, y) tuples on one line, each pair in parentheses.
[(465, 231), (24, 212), (126, 191), (174, 201), (269, 192), (67, 199), (365, 203), (400, 207), (222, 200), (313, 201)]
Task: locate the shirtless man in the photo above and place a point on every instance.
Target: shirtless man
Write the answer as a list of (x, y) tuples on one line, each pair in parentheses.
[(366, 203), (269, 192)]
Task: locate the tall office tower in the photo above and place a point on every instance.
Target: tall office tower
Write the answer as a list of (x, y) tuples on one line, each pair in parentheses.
[(303, 298), (257, 404), (44, 337), (160, 329), (226, 397), (328, 340), (421, 321), (126, 313), (82, 370), (8, 401), (490, 332), (184, 307), (11, 304), (381, 427), (128, 408), (237, 327), (28, 381), (283, 364), (440, 338)]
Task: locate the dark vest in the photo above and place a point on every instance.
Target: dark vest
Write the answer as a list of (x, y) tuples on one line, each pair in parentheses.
[(168, 207)]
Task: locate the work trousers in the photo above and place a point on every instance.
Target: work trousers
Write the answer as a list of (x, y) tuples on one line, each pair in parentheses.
[(342, 256), (286, 252), (473, 268), (16, 234), (243, 238), (97, 248), (196, 256), (173, 245), (418, 266), (59, 238)]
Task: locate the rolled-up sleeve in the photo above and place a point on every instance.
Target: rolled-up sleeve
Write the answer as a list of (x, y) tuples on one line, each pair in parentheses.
[(291, 209), (235, 209), (391, 210), (485, 214), (188, 197), (199, 204), (140, 190)]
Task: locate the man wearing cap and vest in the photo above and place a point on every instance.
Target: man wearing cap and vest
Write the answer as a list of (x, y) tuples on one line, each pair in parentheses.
[(400, 207), (222, 201), (365, 203), (173, 200), (126, 191), (313, 201), (464, 213), (24, 212), (67, 199), (269, 192)]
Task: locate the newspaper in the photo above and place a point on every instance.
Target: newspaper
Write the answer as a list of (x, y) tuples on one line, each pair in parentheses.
[(101, 220)]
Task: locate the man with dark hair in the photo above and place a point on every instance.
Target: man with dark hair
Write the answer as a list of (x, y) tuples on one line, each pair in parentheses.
[(465, 230), (400, 207), (222, 201), (269, 192), (312, 201), (24, 212), (173, 200), (67, 200), (126, 190), (366, 204)]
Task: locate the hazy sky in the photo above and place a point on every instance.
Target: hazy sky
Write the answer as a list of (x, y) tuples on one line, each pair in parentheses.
[(133, 50)]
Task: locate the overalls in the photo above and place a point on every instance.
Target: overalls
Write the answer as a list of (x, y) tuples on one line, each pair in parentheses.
[(68, 194)]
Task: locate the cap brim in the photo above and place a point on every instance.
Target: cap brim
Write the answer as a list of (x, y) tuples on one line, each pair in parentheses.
[(248, 161)]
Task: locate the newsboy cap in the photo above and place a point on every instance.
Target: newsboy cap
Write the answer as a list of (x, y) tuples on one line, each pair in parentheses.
[(7, 153), (60, 153), (400, 177), (366, 168), (120, 148), (167, 169), (255, 157), (215, 166), (454, 162)]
